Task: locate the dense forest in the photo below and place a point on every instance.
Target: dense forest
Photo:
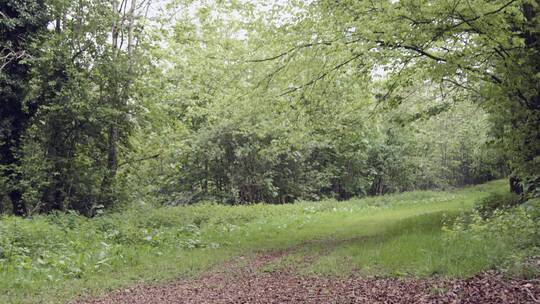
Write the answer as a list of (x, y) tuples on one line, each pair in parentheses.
[(284, 151), (106, 104)]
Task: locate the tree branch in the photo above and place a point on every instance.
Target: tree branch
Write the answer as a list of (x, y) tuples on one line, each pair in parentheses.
[(322, 76), (306, 45), (138, 160)]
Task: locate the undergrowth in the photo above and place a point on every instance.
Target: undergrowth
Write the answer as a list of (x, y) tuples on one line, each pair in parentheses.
[(54, 258)]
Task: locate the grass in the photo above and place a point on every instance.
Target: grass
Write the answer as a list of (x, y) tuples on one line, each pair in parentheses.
[(53, 259), (416, 246)]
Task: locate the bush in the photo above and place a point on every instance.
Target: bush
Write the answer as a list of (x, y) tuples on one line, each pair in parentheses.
[(496, 201), (512, 234)]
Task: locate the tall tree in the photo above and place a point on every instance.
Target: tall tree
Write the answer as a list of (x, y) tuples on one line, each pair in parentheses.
[(123, 41), (21, 25), (488, 49), (65, 109)]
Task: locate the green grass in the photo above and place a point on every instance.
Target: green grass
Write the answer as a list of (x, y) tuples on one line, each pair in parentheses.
[(52, 259), (416, 246)]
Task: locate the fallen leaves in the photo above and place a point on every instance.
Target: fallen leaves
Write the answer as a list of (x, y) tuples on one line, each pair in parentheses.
[(246, 284)]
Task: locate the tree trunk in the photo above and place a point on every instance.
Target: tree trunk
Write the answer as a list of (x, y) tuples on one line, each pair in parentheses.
[(14, 119), (515, 185), (19, 207), (112, 167)]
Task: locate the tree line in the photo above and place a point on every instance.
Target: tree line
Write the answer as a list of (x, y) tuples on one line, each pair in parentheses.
[(107, 104)]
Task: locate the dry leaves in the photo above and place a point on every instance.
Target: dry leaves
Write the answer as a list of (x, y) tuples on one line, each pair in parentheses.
[(246, 284)]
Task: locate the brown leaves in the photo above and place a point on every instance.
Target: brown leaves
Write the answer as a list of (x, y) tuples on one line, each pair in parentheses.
[(247, 284)]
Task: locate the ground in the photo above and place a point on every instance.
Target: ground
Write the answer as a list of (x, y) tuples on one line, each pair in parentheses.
[(251, 282), (399, 248)]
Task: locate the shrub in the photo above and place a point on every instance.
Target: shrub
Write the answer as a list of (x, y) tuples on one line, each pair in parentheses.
[(513, 235), (496, 201)]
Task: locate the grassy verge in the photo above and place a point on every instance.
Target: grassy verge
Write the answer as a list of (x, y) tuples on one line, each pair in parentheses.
[(52, 259)]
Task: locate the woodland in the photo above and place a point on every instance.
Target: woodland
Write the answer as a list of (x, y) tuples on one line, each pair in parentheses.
[(137, 132)]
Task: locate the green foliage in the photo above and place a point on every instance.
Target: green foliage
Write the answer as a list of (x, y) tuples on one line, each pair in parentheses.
[(241, 104), (254, 158), (62, 131), (225, 131), (22, 26), (496, 201), (411, 54), (517, 230)]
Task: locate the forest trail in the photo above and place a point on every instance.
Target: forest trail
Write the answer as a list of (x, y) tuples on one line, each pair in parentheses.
[(256, 280)]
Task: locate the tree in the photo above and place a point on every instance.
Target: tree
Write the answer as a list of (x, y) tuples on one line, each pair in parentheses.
[(67, 109), (487, 49), (233, 122), (21, 26)]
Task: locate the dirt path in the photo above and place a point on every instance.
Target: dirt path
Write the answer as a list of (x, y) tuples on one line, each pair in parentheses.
[(244, 282)]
